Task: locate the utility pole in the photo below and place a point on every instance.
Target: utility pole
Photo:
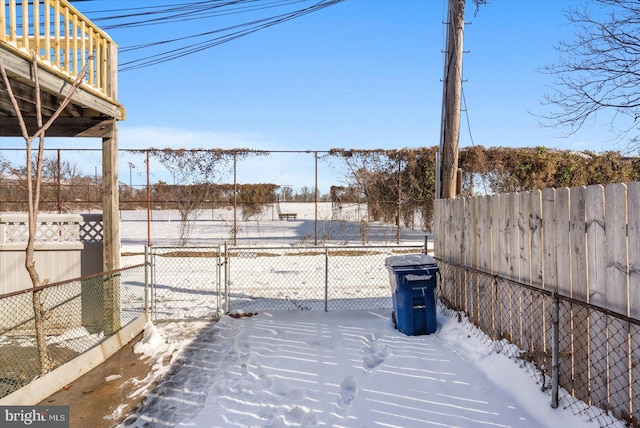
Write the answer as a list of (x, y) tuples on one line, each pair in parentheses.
[(452, 96)]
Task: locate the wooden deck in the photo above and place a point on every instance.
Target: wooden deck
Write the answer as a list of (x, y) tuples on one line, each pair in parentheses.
[(64, 44)]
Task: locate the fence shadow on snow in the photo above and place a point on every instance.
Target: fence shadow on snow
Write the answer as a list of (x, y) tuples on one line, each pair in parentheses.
[(596, 351)]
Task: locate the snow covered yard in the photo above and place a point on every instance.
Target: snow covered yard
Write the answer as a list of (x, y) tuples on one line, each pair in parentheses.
[(334, 369), (306, 368)]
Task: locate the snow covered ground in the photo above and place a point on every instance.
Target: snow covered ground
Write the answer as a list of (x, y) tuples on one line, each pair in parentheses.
[(335, 369), (332, 369)]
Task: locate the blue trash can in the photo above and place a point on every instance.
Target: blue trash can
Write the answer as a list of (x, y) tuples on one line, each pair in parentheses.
[(413, 283)]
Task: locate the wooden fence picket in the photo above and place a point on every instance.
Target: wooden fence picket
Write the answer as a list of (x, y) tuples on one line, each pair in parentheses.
[(497, 252), (564, 284), (616, 296), (633, 232), (503, 268), (470, 257), (524, 269), (596, 265), (550, 247), (483, 251), (579, 314), (550, 260), (537, 304)]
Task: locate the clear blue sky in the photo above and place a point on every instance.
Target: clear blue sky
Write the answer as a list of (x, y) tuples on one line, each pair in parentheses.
[(362, 74)]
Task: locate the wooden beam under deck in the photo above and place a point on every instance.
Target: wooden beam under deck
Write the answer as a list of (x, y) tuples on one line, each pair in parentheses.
[(63, 127), (82, 117)]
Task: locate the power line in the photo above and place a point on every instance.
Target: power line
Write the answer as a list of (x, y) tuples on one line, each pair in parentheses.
[(179, 13)]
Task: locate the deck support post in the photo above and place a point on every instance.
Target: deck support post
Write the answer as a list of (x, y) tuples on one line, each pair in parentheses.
[(111, 229)]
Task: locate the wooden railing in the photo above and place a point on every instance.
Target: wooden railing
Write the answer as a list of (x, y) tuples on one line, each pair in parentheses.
[(63, 39)]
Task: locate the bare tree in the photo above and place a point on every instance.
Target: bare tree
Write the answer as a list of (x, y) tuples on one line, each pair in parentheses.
[(599, 71), (196, 170), (34, 185), (189, 200)]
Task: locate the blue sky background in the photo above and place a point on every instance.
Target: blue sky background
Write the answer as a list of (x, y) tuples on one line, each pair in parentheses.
[(362, 74)]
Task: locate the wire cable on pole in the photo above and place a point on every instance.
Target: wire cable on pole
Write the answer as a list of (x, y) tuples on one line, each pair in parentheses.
[(179, 13)]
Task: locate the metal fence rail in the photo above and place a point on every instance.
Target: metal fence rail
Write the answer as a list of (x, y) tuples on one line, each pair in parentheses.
[(74, 321), (579, 349)]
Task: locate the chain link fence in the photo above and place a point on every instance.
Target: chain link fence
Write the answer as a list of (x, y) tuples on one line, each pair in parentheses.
[(575, 348), (311, 278), (205, 282), (76, 315)]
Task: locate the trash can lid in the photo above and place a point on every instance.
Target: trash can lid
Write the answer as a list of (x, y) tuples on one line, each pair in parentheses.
[(409, 260)]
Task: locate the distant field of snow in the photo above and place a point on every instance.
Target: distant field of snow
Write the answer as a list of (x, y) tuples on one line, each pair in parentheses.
[(215, 226)]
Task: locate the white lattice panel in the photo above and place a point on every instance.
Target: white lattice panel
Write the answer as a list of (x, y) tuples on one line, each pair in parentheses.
[(14, 229)]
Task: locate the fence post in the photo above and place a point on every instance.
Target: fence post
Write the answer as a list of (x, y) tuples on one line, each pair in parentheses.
[(219, 282), (146, 280), (227, 272), (152, 285), (555, 345), (326, 279)]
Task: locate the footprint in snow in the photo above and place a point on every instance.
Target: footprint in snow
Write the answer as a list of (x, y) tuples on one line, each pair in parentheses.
[(375, 354), (348, 389)]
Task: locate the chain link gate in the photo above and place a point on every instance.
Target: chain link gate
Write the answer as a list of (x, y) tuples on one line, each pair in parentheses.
[(187, 283)]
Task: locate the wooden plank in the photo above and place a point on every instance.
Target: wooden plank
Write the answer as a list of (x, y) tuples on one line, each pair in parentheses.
[(564, 285), (524, 238), (496, 249), (445, 272), (496, 256), (459, 279), (513, 262), (549, 230), (514, 267), (483, 235), (438, 221), (3, 19), (111, 230), (537, 301), (563, 245), (503, 268), (535, 226), (633, 241), (616, 235), (579, 314), (617, 297), (524, 269), (484, 253), (633, 197), (445, 250), (549, 263), (578, 243), (596, 244), (470, 257), (596, 256)]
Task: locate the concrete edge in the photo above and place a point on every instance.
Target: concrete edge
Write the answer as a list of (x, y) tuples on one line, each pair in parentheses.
[(44, 386)]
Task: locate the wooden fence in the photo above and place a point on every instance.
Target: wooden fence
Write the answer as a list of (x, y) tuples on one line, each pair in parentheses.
[(582, 243)]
